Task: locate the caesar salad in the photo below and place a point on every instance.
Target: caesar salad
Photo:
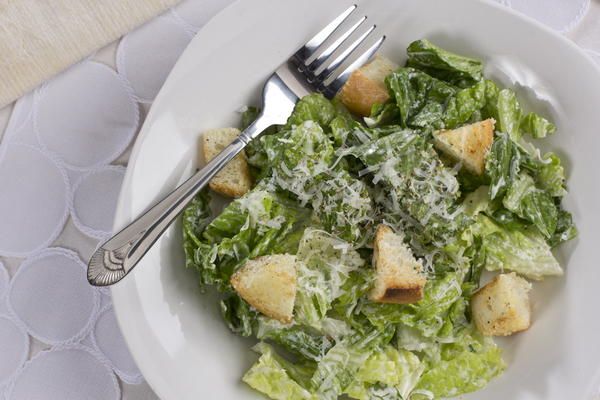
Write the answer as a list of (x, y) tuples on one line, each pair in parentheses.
[(354, 247)]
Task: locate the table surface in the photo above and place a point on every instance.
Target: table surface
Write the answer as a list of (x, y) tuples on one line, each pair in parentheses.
[(131, 72)]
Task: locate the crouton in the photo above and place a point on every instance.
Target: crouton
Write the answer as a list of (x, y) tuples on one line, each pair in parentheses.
[(366, 86), (234, 180), (468, 144), (501, 307), (399, 276), (268, 284)]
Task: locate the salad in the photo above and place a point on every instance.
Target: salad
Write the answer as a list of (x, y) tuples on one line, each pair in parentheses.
[(355, 252)]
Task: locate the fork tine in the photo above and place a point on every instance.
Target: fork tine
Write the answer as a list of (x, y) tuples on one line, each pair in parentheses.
[(324, 56), (336, 84), (344, 55), (313, 44)]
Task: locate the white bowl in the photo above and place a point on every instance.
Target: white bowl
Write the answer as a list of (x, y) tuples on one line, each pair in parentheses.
[(175, 333)]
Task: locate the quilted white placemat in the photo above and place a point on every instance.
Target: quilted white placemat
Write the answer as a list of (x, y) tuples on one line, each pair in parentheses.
[(40, 38)]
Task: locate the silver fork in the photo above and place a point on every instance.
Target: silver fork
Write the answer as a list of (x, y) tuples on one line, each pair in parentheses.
[(308, 70)]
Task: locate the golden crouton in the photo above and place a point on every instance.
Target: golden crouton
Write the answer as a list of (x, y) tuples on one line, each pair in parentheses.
[(366, 86), (399, 276), (501, 307), (268, 284), (234, 180), (468, 144)]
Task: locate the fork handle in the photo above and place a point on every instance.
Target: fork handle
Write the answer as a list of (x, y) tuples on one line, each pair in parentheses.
[(116, 257)]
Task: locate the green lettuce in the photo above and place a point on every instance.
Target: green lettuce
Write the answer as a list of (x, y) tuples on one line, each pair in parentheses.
[(302, 152), (383, 115), (420, 98), (278, 378), (239, 317), (532, 204), (524, 251), (353, 291), (344, 206), (465, 367), (297, 339), (503, 165), (325, 263), (565, 229), (426, 102), (503, 106), (477, 201), (549, 174), (256, 224), (337, 369), (330, 115), (508, 158), (509, 114), (531, 198), (442, 64), (255, 150), (414, 188), (387, 374), (302, 165), (536, 126), (465, 105), (428, 316), (195, 218)]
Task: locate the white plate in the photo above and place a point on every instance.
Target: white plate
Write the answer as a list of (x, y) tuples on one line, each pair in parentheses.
[(176, 334)]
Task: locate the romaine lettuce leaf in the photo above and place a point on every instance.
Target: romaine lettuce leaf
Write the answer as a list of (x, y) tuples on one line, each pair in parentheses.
[(314, 107), (416, 191), (565, 229), (503, 106), (420, 98), (509, 114), (238, 315), (521, 250), (337, 369), (302, 165), (195, 218), (330, 116), (304, 149), (325, 263), (503, 165), (466, 104), (278, 378), (442, 64), (529, 185), (344, 206), (532, 204), (477, 201), (255, 150), (354, 289), (536, 126), (454, 360), (549, 174), (387, 374), (383, 114), (426, 102), (256, 224), (428, 315), (296, 339), (465, 367)]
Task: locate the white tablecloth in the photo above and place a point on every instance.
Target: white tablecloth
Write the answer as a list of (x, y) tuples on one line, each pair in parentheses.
[(63, 152)]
